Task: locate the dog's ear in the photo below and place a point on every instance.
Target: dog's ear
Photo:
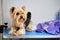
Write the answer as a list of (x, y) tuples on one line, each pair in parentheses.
[(23, 7), (12, 10)]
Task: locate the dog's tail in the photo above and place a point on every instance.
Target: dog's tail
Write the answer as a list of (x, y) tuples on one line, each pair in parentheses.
[(28, 19), (29, 15)]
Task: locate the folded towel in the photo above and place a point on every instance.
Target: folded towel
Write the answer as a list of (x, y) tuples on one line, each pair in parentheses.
[(51, 27)]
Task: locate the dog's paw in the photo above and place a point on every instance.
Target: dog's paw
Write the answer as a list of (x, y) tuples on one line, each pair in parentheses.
[(11, 32), (15, 34), (19, 33), (29, 29)]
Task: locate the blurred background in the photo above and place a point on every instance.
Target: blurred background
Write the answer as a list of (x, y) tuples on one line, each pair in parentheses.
[(41, 10)]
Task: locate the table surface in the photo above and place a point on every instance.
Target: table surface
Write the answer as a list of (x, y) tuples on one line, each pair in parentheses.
[(32, 34)]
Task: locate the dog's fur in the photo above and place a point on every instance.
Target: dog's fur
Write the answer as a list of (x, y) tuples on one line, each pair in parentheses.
[(21, 21)]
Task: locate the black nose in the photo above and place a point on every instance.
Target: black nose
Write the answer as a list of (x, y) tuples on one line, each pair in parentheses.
[(21, 17)]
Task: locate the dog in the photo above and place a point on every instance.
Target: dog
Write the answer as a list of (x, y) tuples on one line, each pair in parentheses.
[(21, 21)]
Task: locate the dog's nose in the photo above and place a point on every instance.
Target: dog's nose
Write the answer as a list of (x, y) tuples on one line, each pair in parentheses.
[(21, 17)]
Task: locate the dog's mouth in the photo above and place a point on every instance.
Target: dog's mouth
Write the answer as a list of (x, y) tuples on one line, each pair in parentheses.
[(21, 19)]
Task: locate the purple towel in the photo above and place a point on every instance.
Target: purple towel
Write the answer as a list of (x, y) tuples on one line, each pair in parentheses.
[(52, 27)]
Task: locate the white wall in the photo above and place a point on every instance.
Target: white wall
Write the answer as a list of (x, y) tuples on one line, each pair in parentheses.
[(42, 10), (0, 11), (0, 14)]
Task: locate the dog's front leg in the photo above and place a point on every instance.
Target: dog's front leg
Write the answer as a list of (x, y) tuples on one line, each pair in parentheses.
[(13, 29), (20, 31)]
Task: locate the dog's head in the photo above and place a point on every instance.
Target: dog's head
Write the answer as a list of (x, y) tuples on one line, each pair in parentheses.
[(18, 14)]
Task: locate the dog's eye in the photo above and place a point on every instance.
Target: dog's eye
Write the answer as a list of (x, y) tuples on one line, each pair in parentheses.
[(17, 13)]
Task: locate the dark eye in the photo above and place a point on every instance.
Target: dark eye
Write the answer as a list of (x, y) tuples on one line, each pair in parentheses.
[(17, 13)]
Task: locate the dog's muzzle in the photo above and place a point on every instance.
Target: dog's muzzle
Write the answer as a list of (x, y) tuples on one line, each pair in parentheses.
[(21, 17)]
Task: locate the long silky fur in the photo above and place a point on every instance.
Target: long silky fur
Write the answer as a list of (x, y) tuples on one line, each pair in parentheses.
[(27, 21)]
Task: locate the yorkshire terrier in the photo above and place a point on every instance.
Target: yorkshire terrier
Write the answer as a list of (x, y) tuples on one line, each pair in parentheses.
[(21, 21)]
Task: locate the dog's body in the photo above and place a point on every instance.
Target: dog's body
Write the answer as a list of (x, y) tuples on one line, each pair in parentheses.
[(20, 21)]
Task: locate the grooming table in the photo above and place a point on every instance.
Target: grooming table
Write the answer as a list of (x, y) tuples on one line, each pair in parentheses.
[(32, 34)]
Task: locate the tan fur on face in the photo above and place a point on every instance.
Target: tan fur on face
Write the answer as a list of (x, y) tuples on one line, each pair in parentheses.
[(21, 11), (18, 16)]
